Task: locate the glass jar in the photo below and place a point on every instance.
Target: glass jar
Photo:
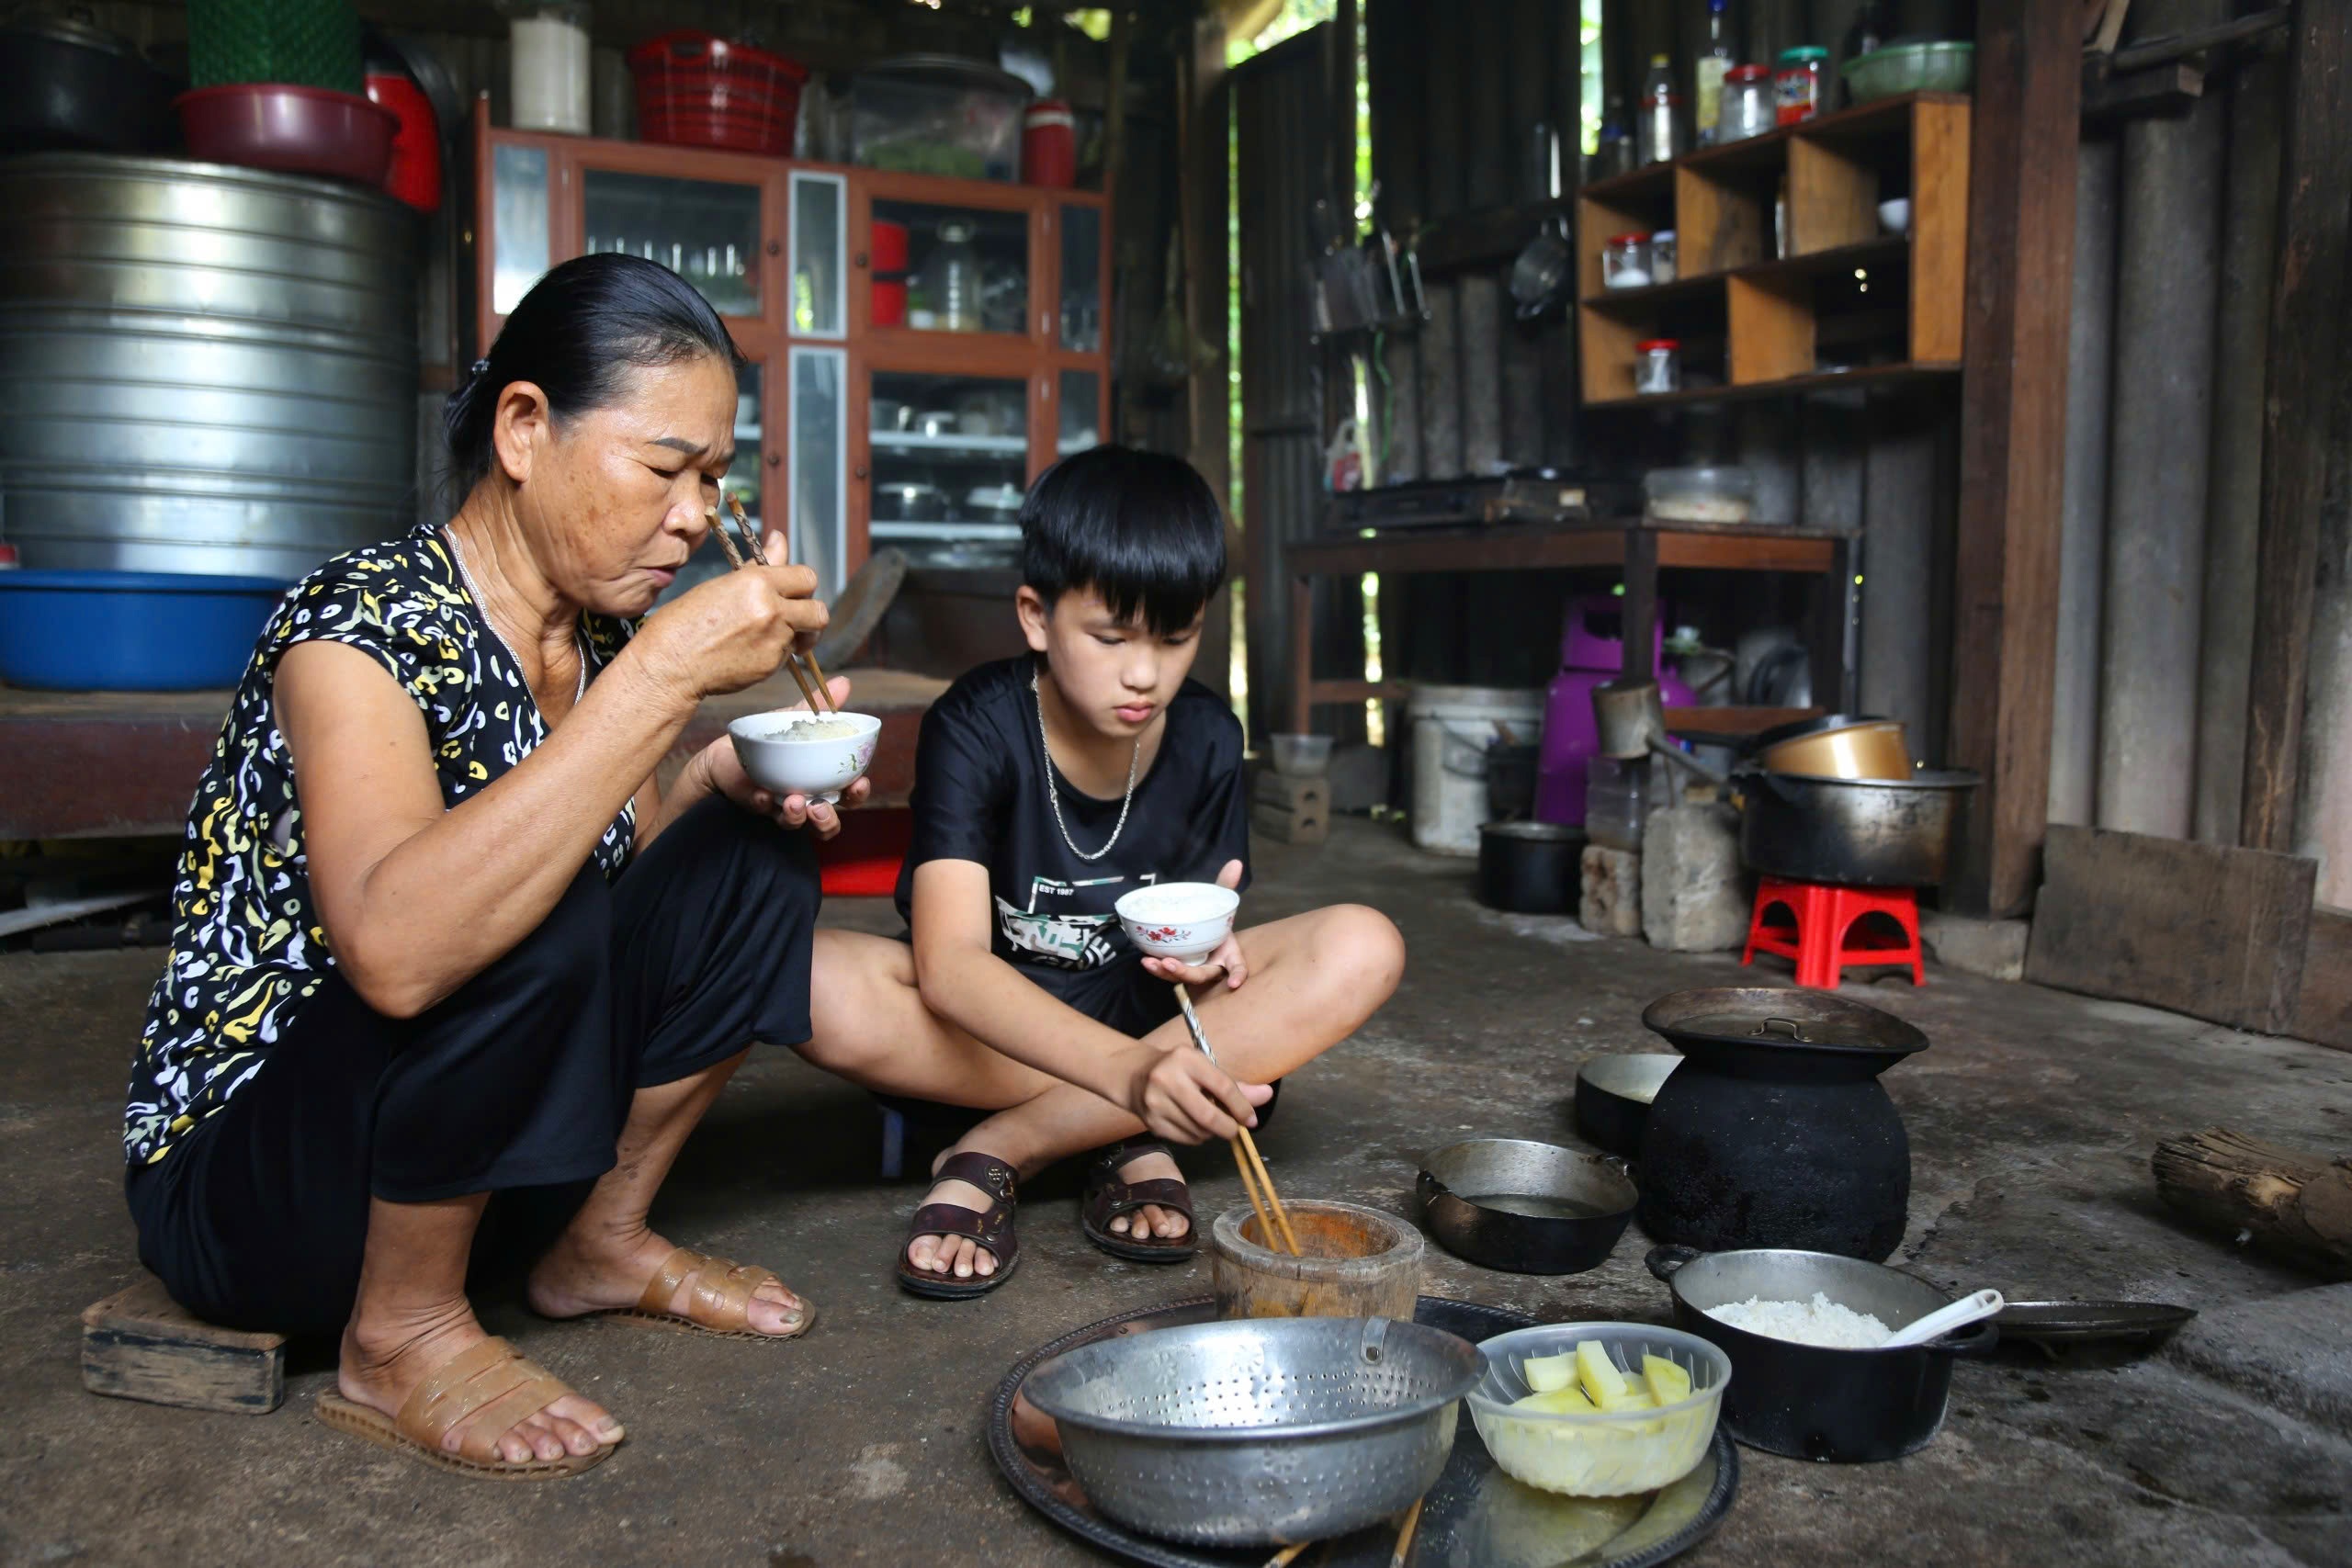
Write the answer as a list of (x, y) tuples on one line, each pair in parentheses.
[(1797, 85), (1748, 109), (1657, 366), (950, 280), (1625, 262), (549, 75), (1662, 256)]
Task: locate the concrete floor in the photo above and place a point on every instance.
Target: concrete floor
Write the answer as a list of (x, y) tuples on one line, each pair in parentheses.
[(2031, 1121)]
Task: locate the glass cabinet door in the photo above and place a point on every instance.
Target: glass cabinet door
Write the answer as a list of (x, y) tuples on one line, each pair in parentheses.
[(820, 239), (968, 267), (816, 462), (950, 458), (1082, 406), (518, 180), (1081, 311), (707, 231)]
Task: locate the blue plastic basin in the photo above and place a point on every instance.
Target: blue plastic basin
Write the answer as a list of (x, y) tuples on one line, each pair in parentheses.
[(130, 631)]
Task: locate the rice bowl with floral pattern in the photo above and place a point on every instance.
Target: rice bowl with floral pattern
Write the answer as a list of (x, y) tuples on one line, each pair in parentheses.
[(1184, 920), (820, 763)]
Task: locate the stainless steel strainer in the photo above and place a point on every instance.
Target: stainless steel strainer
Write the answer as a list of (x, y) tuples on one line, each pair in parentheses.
[(1260, 1430)]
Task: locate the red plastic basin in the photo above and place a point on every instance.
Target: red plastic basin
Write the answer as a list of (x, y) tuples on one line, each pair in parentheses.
[(298, 130)]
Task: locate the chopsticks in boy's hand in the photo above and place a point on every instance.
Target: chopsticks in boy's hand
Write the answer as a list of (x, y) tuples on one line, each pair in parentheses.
[(1245, 1150), (819, 694)]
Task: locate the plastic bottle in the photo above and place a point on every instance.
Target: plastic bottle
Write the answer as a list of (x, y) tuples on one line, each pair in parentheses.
[(1708, 75), (1656, 135)]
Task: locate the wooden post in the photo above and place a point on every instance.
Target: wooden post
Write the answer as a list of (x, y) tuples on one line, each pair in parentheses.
[(2306, 310), (2013, 436)]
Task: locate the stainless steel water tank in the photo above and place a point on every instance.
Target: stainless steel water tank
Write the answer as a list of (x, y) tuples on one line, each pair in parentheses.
[(202, 368)]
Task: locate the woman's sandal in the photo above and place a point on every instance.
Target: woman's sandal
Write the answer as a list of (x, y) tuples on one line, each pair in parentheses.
[(1107, 1198), (718, 1300), (991, 1227), (491, 1386)]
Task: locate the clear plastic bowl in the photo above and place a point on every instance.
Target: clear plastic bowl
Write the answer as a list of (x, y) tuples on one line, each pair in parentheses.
[(1303, 756), (1599, 1454), (1703, 495)]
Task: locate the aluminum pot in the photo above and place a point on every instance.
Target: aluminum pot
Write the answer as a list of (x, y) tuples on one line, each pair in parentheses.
[(1524, 1207), (1837, 745), (1868, 832), (1808, 1401), (67, 85), (1531, 868), (1613, 1096)]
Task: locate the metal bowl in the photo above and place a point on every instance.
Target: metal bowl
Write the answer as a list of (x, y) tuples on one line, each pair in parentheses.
[(1613, 1095), (1260, 1430)]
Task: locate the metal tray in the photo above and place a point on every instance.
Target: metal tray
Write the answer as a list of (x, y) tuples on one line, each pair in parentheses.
[(1475, 1514)]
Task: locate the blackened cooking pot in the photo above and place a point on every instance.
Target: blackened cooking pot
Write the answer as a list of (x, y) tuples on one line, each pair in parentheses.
[(1809, 1401), (68, 86), (1866, 833), (1775, 1131), (1531, 868)]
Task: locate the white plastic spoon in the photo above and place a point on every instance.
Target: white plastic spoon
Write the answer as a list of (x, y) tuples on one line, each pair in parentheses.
[(1965, 1311)]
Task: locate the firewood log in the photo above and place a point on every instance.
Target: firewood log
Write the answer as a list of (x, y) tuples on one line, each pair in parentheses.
[(2294, 1205)]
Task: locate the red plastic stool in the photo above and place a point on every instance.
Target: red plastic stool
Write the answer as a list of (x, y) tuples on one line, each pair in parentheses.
[(1821, 918)]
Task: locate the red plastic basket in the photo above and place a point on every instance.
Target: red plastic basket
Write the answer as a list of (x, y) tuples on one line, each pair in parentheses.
[(697, 90)]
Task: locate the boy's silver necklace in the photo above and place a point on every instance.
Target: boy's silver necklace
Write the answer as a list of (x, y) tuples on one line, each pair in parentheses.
[(458, 554), (1054, 799)]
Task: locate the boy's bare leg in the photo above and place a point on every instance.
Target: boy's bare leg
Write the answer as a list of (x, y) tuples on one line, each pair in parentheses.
[(1314, 978)]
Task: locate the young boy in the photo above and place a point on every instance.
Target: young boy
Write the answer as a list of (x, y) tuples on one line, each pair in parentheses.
[(1046, 786)]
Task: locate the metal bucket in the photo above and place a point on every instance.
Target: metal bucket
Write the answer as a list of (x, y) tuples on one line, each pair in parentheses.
[(202, 368)]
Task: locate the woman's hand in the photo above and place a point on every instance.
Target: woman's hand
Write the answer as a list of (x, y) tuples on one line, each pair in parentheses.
[(731, 632), (723, 770), (1225, 961), (1185, 1098)]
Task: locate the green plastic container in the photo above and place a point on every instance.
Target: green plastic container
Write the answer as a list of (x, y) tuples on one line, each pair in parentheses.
[(1911, 68), (308, 43)]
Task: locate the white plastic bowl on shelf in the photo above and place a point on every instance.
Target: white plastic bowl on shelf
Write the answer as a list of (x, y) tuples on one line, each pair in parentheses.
[(1184, 920), (1599, 1454)]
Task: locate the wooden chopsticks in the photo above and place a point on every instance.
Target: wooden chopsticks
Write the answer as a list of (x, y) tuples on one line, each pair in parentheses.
[(820, 695), (1273, 1220)]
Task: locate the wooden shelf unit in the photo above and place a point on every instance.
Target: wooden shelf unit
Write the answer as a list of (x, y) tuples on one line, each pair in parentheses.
[(1752, 324)]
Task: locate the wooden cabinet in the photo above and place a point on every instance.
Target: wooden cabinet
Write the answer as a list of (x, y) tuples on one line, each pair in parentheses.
[(1841, 302), (786, 252)]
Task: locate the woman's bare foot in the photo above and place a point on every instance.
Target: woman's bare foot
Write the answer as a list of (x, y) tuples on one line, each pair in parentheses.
[(582, 1274), (383, 1361), (1151, 1219)]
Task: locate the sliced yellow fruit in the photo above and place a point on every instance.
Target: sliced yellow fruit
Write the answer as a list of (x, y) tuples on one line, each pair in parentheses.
[(1603, 1384), (1545, 1373), (1668, 1383), (1556, 1402)]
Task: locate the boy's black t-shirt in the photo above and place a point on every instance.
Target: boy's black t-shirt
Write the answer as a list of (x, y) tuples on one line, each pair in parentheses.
[(980, 795)]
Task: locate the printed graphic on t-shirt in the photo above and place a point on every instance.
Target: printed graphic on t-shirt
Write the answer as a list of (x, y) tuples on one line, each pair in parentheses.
[(1063, 937)]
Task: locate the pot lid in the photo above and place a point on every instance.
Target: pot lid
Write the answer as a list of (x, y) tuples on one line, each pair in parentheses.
[(2061, 1323), (948, 71), (73, 28), (1820, 724), (1800, 1020)]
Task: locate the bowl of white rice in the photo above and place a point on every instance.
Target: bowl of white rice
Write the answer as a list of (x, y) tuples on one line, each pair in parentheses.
[(1184, 920), (794, 751), (1806, 1332)]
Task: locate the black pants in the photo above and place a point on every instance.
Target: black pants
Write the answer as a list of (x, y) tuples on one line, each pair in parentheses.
[(520, 1079)]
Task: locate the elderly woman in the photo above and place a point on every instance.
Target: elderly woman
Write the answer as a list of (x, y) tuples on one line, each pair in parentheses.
[(439, 934)]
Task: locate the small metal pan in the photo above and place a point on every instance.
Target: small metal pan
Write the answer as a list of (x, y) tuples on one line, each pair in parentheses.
[(1613, 1095), (1525, 1208)]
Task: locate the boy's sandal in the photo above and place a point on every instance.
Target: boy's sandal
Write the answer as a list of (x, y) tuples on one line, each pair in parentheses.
[(991, 1227), (718, 1299), (487, 1389), (1107, 1198)]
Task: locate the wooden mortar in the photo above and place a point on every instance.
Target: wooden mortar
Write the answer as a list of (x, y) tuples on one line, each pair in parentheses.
[(1356, 1262)]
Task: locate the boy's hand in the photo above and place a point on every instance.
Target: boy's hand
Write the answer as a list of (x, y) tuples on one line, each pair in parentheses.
[(1186, 1099), (1225, 961), (724, 772)]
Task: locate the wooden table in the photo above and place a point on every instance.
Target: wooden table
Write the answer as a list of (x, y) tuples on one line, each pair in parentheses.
[(77, 764), (1641, 547)]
